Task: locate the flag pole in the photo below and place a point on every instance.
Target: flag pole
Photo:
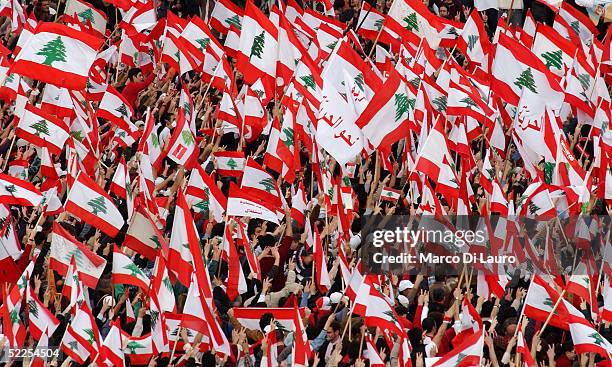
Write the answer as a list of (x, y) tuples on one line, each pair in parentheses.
[(552, 312), (178, 336), (8, 153)]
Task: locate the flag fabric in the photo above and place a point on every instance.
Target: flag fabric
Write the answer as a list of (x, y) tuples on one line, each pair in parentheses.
[(143, 236), (41, 320), (94, 206), (82, 338), (64, 246), (57, 54), (516, 68), (257, 54), (230, 163), (14, 191), (320, 263), (87, 15), (283, 316), (203, 194), (225, 15), (184, 243), (385, 119), (241, 203), (126, 272), (42, 129)]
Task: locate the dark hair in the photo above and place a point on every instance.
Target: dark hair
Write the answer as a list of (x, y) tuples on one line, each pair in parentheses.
[(335, 326), (265, 320), (428, 324), (133, 72), (487, 308)]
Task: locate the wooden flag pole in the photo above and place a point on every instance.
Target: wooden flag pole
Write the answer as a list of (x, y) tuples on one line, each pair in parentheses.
[(552, 312), (8, 153)]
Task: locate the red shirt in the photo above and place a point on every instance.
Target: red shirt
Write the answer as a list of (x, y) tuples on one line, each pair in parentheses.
[(131, 90)]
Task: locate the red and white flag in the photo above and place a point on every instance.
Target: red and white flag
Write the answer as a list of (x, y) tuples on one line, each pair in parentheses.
[(203, 194), (385, 119), (94, 206), (143, 236), (258, 49), (87, 14), (224, 15), (283, 316), (57, 54), (14, 191), (243, 203), (64, 247), (230, 163), (82, 338), (40, 318), (126, 272), (183, 240)]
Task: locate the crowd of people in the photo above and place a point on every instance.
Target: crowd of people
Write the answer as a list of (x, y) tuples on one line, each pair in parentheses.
[(182, 202)]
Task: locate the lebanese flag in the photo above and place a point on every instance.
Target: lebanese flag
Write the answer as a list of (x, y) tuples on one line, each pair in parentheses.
[(9, 242), (64, 246), (118, 183), (301, 346), (236, 279), (389, 194), (202, 194), (198, 315), (14, 191), (12, 326), (87, 15), (556, 52), (183, 148), (470, 323), (539, 302), (434, 158), (536, 201), (57, 101), (373, 356), (230, 163), (140, 16), (159, 330), (260, 183), (467, 354), (414, 17), (162, 286), (82, 338), (473, 41), (320, 262), (581, 28), (224, 15), (587, 340), (372, 305), (499, 202), (491, 284), (41, 361), (243, 203), (257, 55), (385, 119), (466, 101), (183, 242), (126, 272), (40, 318), (57, 54), (94, 206), (523, 349), (283, 317), (116, 109), (143, 236), (298, 204), (112, 350), (198, 38), (516, 68)]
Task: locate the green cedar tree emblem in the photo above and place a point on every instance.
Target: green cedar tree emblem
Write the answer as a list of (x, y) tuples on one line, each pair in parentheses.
[(53, 51)]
